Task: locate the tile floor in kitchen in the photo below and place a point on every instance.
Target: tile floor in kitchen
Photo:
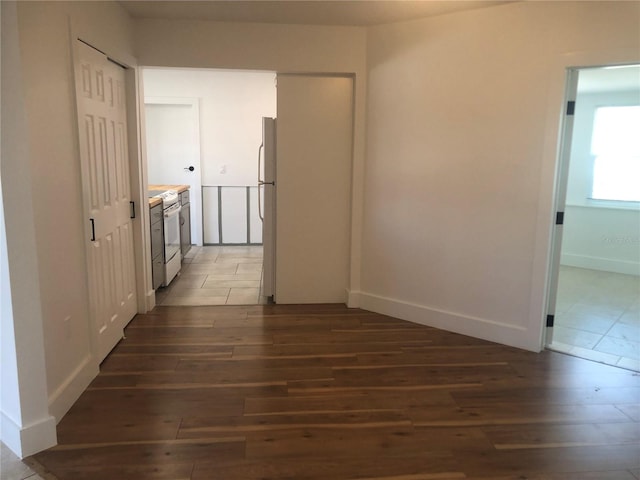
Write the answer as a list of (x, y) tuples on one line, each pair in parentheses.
[(598, 316), (217, 275), (12, 468)]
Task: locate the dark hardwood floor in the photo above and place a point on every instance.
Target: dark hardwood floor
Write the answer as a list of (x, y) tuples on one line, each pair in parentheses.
[(323, 392)]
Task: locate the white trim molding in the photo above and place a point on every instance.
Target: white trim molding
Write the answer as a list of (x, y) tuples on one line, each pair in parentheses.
[(70, 390), (353, 298), (511, 335), (599, 263), (27, 440)]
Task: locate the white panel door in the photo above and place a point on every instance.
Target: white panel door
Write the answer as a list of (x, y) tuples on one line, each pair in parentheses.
[(106, 193), (313, 209), (173, 150)]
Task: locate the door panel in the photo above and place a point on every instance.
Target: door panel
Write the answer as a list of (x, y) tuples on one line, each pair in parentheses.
[(106, 192), (313, 210), (173, 145)]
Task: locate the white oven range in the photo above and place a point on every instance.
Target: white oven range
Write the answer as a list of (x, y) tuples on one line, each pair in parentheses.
[(171, 211)]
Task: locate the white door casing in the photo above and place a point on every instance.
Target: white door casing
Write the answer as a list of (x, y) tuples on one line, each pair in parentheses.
[(561, 199), (100, 94), (313, 209), (173, 145)]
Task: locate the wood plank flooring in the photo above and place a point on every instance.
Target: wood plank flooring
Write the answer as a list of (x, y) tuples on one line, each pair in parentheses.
[(324, 392)]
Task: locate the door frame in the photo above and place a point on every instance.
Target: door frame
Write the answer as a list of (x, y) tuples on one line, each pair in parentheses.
[(562, 176), (543, 263), (564, 163)]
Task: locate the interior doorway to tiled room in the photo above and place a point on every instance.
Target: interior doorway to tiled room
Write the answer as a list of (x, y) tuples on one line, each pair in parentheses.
[(597, 314)]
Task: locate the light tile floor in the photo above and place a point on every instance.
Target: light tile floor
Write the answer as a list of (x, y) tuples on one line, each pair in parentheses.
[(598, 316), (12, 468), (217, 275)]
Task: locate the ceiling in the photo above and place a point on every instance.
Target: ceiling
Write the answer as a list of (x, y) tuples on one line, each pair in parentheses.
[(317, 12)]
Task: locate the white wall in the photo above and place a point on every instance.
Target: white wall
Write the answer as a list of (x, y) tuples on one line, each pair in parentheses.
[(463, 115), (602, 238), (597, 235), (55, 187), (232, 105)]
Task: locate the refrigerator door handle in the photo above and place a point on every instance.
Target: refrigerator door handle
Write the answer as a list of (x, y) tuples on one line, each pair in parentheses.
[(260, 148), (262, 182)]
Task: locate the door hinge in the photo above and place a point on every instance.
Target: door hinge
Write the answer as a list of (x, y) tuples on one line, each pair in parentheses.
[(571, 107), (133, 209), (559, 218), (550, 320)]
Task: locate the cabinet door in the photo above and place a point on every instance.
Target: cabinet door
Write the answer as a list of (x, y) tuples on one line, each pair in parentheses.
[(185, 229), (157, 271), (156, 214), (157, 240), (157, 246)]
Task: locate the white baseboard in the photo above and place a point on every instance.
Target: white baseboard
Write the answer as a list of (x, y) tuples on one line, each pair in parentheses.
[(66, 394), (29, 439), (485, 329), (353, 299), (151, 300), (599, 263)]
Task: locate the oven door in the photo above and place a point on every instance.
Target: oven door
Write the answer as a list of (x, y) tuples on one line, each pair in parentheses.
[(171, 232)]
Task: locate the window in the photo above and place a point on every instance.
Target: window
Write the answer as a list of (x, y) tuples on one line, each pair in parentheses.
[(615, 144)]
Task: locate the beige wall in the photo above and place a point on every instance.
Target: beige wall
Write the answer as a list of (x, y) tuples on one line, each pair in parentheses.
[(313, 187), (56, 189), (463, 114)]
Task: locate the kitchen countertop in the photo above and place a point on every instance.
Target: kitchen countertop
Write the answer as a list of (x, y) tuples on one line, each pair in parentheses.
[(157, 201)]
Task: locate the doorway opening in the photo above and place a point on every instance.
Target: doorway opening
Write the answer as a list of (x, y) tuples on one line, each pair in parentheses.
[(203, 131), (595, 294)]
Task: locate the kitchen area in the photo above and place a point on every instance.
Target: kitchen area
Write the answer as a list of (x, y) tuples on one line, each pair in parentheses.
[(203, 130), (186, 274)]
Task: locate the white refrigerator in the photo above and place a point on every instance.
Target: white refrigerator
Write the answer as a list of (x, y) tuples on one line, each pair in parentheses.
[(267, 204)]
